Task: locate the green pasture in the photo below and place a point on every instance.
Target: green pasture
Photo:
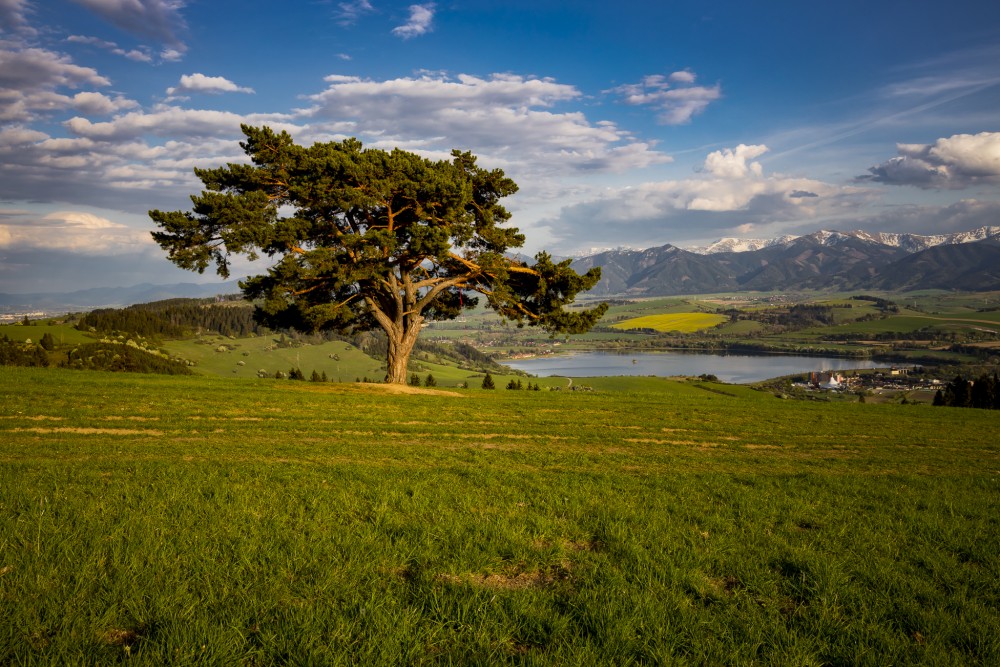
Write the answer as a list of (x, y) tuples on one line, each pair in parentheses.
[(740, 328), (222, 355), (219, 520), (911, 322), (61, 333)]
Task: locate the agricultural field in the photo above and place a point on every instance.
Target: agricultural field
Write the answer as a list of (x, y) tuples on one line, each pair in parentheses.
[(229, 520), (680, 322)]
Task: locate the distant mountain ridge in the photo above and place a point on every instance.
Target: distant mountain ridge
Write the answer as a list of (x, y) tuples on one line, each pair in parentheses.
[(908, 242), (856, 260), (825, 259), (111, 297)]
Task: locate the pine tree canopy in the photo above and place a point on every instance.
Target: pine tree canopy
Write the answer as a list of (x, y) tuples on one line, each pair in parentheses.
[(366, 238)]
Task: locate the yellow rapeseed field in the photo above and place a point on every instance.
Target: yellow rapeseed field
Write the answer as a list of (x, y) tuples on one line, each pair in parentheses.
[(683, 322)]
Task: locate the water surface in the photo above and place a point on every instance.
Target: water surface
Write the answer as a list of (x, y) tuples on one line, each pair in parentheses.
[(735, 368)]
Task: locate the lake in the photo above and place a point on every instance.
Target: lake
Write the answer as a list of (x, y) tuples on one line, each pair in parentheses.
[(734, 368)]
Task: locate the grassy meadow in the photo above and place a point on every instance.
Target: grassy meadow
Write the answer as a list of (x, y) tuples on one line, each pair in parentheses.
[(210, 520)]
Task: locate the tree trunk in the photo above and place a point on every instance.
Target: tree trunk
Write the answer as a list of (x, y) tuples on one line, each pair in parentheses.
[(402, 338)]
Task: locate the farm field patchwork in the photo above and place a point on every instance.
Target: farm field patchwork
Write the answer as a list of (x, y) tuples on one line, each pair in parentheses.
[(200, 519)]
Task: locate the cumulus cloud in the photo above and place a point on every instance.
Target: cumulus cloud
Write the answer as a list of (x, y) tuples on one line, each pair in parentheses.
[(199, 83), (13, 15), (676, 96), (506, 119), (74, 231), (733, 163), (165, 122), (100, 104), (30, 79), (731, 190), (419, 23), (40, 69), (138, 159), (160, 20), (956, 162)]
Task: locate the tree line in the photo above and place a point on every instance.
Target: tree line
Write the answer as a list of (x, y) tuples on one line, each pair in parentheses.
[(174, 318), (983, 393)]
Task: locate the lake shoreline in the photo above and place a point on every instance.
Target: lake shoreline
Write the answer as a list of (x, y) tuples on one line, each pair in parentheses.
[(736, 367)]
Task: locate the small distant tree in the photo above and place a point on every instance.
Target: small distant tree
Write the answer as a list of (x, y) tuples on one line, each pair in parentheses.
[(369, 239), (488, 382), (48, 342), (314, 377), (512, 385), (414, 380), (323, 378), (429, 381)]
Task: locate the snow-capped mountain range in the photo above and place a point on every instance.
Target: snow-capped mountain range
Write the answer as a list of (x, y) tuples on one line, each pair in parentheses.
[(858, 260), (908, 242)]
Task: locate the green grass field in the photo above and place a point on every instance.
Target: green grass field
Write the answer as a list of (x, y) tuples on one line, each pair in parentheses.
[(62, 333), (210, 520)]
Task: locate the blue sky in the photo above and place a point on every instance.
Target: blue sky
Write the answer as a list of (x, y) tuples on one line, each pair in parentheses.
[(625, 124)]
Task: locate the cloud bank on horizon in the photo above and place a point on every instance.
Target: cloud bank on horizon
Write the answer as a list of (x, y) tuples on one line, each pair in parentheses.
[(623, 127)]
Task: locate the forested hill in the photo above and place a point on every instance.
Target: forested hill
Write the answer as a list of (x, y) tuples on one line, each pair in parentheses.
[(176, 318), (231, 316)]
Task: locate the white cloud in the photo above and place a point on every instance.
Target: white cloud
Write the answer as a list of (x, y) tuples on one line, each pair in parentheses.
[(731, 190), (505, 119), (348, 13), (956, 162), (41, 69), (30, 78), (676, 96), (199, 83), (171, 55), (419, 23), (74, 231), (155, 19), (97, 103), (141, 54), (165, 122), (684, 76), (139, 160), (731, 163)]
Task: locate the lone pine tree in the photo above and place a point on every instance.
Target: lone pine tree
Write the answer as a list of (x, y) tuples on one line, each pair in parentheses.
[(363, 239)]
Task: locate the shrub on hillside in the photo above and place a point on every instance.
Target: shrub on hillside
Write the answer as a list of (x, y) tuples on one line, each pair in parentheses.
[(121, 359), (13, 353)]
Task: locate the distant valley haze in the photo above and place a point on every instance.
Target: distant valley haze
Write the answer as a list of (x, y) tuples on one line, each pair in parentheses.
[(824, 260)]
